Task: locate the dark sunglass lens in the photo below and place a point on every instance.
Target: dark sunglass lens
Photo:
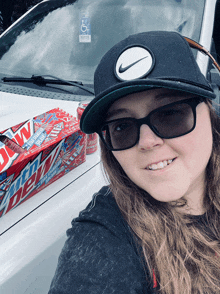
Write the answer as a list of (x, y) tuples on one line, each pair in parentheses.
[(173, 121), (121, 134)]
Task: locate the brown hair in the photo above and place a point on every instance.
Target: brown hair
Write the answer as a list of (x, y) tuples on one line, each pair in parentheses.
[(183, 256)]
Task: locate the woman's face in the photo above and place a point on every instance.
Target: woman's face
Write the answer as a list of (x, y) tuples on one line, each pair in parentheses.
[(167, 169)]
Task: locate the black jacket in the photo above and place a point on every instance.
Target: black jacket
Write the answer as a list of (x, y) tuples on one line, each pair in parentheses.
[(100, 255)]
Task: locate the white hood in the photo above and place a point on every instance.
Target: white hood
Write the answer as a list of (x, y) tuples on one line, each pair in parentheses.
[(15, 108)]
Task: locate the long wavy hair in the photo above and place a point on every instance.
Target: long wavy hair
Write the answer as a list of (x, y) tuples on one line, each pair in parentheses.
[(184, 257)]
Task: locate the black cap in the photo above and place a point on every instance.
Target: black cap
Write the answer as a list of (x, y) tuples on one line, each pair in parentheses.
[(138, 63)]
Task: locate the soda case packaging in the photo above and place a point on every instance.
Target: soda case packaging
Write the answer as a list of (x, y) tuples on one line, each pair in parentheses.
[(91, 139), (54, 145)]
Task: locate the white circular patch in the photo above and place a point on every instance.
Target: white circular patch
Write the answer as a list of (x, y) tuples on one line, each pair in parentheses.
[(133, 63)]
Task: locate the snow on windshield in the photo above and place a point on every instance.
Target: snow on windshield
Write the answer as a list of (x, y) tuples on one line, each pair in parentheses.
[(45, 48), (169, 15), (53, 46)]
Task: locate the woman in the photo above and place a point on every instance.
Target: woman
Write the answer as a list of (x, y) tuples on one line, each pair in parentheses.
[(155, 229)]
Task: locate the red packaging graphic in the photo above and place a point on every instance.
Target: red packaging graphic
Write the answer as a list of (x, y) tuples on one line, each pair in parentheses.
[(92, 139), (54, 146)]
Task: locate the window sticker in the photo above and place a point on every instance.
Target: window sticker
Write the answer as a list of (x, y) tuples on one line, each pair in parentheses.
[(85, 29)]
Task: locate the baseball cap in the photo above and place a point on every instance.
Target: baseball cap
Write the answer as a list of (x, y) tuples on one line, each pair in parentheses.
[(156, 59)]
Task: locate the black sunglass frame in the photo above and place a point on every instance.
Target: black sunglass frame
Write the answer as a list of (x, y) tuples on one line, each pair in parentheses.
[(192, 102)]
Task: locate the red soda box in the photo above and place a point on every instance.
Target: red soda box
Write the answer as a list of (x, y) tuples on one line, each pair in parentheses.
[(54, 145)]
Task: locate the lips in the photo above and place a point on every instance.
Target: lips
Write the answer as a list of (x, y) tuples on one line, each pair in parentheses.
[(160, 165)]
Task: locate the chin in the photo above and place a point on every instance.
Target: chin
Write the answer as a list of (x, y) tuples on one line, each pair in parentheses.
[(168, 193), (166, 198)]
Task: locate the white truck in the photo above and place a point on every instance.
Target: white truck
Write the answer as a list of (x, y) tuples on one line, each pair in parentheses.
[(47, 60)]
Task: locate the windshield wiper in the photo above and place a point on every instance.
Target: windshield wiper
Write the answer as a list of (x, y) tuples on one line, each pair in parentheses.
[(42, 81)]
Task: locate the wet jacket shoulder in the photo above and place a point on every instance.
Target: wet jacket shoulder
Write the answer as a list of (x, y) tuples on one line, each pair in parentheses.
[(100, 256)]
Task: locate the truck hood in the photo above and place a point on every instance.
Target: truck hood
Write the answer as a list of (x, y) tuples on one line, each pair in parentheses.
[(15, 108)]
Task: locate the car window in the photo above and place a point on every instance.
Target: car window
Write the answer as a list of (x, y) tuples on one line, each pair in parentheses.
[(68, 38)]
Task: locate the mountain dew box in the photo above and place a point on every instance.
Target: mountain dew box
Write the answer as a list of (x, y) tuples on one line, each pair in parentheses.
[(54, 145)]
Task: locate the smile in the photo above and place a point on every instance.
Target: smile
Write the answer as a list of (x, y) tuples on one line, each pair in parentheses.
[(160, 165)]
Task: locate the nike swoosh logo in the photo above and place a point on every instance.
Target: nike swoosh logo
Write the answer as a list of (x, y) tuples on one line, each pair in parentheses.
[(123, 69)]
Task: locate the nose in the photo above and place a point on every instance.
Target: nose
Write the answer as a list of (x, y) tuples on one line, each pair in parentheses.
[(148, 139)]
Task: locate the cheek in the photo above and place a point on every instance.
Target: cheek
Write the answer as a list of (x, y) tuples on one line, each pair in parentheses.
[(128, 161), (123, 157), (196, 147)]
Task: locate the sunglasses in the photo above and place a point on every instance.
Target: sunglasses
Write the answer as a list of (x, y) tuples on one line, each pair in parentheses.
[(193, 44), (170, 121)]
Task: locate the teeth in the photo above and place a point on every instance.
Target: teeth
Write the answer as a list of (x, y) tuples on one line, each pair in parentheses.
[(165, 163), (160, 165)]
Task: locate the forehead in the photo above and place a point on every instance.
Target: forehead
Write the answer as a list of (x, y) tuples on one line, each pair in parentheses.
[(146, 100)]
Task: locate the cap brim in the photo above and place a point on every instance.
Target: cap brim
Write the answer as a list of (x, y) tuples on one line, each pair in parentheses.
[(95, 113)]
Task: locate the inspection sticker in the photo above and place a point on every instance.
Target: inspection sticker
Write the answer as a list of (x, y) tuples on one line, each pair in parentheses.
[(85, 29)]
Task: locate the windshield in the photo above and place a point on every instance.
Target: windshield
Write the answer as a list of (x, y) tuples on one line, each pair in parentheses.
[(68, 38)]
